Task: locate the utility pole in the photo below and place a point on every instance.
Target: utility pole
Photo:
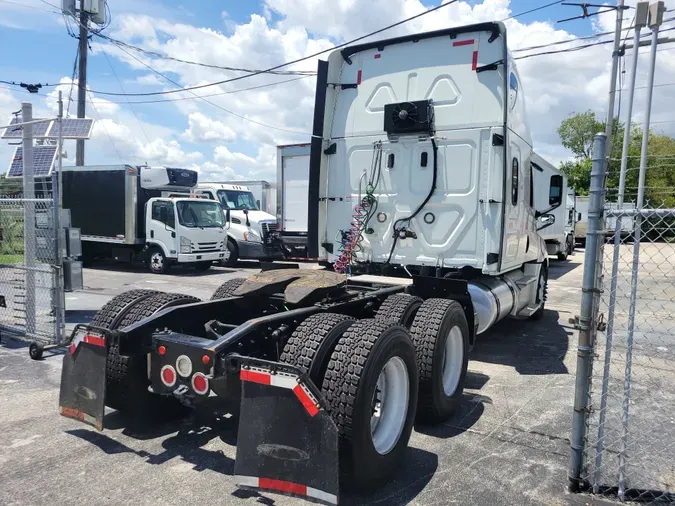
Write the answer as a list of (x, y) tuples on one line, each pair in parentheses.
[(82, 79)]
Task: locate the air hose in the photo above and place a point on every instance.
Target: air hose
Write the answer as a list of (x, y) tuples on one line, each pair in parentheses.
[(350, 240)]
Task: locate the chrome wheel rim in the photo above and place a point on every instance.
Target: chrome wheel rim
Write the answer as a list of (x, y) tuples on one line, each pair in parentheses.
[(389, 405), (156, 261), (453, 360)]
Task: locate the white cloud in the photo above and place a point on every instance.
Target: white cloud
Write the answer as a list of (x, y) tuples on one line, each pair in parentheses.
[(554, 85), (204, 129)]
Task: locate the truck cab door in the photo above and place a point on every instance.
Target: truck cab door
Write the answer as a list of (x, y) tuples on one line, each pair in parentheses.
[(161, 226)]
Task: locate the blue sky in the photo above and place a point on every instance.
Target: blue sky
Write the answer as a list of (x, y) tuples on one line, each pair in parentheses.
[(37, 48)]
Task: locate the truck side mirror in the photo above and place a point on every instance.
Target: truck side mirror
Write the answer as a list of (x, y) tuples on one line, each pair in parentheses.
[(555, 191)]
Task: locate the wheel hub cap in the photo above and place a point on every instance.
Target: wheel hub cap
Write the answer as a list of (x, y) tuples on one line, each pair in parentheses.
[(389, 405), (453, 360)]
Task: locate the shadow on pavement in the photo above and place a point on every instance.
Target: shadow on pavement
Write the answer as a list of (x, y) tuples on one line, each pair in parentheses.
[(557, 269), (75, 316), (191, 434), (531, 347), (419, 467)]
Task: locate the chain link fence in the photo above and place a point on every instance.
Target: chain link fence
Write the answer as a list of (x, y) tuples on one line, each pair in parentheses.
[(629, 442), (29, 271)]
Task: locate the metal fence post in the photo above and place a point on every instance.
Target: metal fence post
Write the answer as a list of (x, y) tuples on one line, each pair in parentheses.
[(589, 295), (29, 216), (58, 259)]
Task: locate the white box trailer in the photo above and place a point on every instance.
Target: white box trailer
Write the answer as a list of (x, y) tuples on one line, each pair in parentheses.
[(559, 238), (292, 197), (627, 225)]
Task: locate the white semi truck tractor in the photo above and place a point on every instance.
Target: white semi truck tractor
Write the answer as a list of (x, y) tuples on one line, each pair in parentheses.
[(421, 199), (252, 233)]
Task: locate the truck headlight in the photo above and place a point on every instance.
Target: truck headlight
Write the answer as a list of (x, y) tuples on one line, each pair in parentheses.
[(251, 236), (185, 245)]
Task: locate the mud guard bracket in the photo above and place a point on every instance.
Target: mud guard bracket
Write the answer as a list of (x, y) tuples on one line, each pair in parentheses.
[(287, 442)]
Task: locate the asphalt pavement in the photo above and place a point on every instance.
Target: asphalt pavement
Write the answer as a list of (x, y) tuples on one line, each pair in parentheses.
[(507, 445)]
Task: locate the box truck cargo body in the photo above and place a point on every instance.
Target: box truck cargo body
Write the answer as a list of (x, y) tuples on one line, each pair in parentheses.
[(292, 197), (122, 215)]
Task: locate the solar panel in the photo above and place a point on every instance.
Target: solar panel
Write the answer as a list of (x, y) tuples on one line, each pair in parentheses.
[(39, 129), (43, 161), (73, 128)]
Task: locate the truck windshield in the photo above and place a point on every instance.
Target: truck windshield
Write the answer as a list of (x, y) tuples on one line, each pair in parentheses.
[(237, 200), (200, 214)]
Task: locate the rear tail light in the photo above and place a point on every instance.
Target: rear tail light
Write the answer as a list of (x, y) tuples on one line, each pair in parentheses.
[(184, 366), (200, 383), (168, 375)]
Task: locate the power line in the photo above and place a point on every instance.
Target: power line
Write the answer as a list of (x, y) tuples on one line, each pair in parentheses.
[(140, 124), (216, 105), (286, 64), (29, 6), (155, 54), (533, 10)]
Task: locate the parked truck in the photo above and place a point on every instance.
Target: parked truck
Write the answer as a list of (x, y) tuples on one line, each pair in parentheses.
[(627, 225), (292, 195), (252, 233), (124, 215), (264, 194), (423, 194), (558, 237)]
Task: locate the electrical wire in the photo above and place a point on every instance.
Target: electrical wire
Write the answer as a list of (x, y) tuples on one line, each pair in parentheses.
[(533, 10), (29, 6), (140, 124), (286, 64), (102, 123), (216, 105), (155, 54)]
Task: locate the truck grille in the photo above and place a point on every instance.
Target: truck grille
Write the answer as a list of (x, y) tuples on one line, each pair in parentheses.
[(268, 226), (205, 247)]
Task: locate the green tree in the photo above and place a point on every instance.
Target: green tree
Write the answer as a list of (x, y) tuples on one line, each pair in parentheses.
[(577, 132)]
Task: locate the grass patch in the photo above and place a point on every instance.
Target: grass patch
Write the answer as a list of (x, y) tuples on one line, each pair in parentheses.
[(11, 259)]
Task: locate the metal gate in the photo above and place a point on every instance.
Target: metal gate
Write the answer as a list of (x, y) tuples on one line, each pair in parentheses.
[(30, 273), (624, 432)]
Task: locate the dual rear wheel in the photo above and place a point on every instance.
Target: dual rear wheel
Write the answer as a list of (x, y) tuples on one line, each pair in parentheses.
[(378, 376)]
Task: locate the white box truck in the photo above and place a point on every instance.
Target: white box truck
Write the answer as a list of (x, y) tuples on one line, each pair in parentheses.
[(292, 196), (558, 237), (123, 215), (252, 233)]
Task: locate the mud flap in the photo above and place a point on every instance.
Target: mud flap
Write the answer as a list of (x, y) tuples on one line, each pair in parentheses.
[(287, 442), (82, 394)]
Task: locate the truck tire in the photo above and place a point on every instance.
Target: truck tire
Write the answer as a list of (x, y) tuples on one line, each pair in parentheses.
[(234, 254), (116, 308), (157, 261), (226, 289), (400, 308), (127, 376), (542, 292), (373, 426), (441, 337), (311, 345)]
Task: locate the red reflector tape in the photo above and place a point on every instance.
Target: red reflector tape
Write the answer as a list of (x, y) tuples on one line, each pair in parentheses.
[(95, 340), (358, 77), (286, 487), (306, 401), (378, 55), (255, 377), (282, 486), (474, 61), (463, 43)]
